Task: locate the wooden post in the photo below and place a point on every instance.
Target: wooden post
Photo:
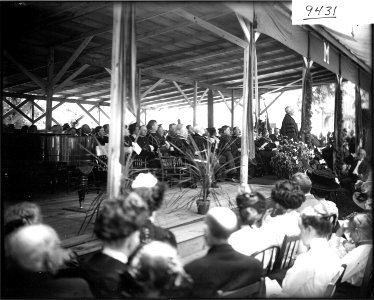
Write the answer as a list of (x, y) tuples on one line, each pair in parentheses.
[(210, 109), (306, 107), (338, 124), (49, 89), (232, 108), (247, 151), (194, 102), (122, 42), (139, 96), (32, 111)]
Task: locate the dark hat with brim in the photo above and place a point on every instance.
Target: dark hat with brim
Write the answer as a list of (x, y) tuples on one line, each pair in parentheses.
[(323, 180), (361, 200)]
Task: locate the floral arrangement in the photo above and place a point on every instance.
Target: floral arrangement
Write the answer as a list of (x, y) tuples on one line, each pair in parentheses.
[(291, 158)]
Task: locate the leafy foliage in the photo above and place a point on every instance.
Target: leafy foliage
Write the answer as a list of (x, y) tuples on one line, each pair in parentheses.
[(290, 158)]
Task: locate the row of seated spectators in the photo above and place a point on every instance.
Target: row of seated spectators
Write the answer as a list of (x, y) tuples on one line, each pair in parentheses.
[(140, 259)]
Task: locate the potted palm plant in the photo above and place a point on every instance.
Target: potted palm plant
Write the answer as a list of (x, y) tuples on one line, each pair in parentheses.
[(204, 167)]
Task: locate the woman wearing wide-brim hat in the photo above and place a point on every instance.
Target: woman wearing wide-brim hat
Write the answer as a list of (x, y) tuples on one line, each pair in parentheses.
[(323, 183)]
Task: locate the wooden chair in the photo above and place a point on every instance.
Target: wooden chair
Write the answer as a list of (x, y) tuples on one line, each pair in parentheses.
[(256, 289), (138, 165), (330, 290), (286, 257), (366, 290), (268, 257)]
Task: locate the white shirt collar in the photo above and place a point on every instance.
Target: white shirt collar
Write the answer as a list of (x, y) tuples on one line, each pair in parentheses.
[(118, 255), (318, 243)]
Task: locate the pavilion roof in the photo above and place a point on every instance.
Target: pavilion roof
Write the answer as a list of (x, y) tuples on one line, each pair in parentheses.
[(170, 47)]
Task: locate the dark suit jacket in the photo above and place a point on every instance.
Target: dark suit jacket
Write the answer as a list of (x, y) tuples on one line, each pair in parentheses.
[(35, 285), (222, 268), (289, 128), (103, 273)]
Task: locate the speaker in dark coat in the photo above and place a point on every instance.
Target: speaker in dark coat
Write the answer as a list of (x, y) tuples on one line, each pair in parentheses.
[(289, 128), (222, 268)]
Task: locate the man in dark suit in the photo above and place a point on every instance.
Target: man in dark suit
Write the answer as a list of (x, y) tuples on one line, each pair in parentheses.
[(359, 170), (118, 226), (222, 268), (34, 259), (289, 126)]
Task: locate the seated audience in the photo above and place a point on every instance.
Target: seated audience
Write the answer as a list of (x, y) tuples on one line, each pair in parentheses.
[(222, 268), (199, 139), (152, 192), (36, 256), (100, 135), (134, 131), (253, 209), (182, 144), (226, 158), (275, 137), (359, 170), (106, 129), (190, 130), (143, 142), (118, 226), (155, 271), (305, 184), (33, 129), (323, 183), (21, 214), (56, 129), (313, 270), (153, 137), (85, 130), (172, 133), (360, 229)]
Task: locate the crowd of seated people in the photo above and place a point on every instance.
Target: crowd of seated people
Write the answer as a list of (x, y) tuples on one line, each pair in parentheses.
[(140, 259)]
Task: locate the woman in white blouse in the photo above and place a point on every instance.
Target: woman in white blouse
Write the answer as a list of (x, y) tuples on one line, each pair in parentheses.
[(313, 270)]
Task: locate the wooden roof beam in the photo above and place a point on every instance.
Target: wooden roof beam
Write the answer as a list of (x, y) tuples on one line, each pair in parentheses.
[(35, 78), (56, 99), (71, 60), (212, 28)]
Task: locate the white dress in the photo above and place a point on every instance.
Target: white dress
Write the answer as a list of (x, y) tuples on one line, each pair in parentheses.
[(312, 271)]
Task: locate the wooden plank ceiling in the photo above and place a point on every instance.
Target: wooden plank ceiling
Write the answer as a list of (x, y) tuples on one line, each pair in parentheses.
[(168, 47)]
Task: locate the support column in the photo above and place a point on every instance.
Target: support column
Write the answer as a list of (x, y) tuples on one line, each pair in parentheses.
[(194, 107), (232, 108), (32, 111), (139, 96), (210, 109), (338, 127), (306, 107), (122, 70), (49, 89), (247, 151)]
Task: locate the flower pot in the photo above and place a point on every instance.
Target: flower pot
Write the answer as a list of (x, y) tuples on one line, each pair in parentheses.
[(202, 206)]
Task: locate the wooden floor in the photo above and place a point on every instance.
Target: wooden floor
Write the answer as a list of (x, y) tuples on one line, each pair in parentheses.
[(61, 211)]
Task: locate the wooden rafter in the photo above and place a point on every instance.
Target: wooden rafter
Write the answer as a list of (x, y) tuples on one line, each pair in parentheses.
[(182, 93), (271, 103), (70, 78), (35, 78), (16, 108), (88, 112), (202, 96), (43, 110), (44, 114), (151, 88), (103, 112), (208, 26), (72, 59), (224, 99)]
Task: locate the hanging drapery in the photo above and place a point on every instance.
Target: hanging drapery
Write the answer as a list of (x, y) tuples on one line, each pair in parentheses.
[(338, 127), (358, 116), (306, 111)]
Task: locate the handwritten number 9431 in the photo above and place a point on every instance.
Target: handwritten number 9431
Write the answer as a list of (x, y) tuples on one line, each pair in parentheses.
[(321, 11)]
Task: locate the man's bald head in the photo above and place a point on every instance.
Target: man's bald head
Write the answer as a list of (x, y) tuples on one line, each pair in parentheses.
[(37, 248), (221, 222)]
